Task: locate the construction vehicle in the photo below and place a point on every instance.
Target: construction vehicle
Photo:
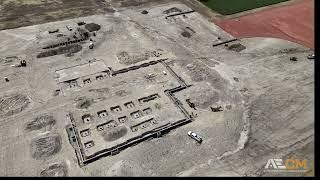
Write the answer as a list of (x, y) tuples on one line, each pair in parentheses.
[(69, 27), (293, 59), (53, 31), (216, 109), (23, 63), (81, 23), (310, 56), (91, 45)]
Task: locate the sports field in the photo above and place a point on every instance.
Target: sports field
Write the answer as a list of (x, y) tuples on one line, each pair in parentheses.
[(294, 22), (227, 7)]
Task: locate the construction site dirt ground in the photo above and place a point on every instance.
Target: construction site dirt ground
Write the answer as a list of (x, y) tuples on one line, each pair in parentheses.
[(248, 98), (293, 22)]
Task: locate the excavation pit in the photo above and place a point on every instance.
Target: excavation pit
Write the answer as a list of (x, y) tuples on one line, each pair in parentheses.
[(133, 117)]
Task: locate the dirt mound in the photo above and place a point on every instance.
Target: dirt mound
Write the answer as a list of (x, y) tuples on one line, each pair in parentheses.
[(186, 34), (125, 168), (13, 104), (197, 72), (172, 10), (126, 3), (204, 96), (122, 93), (45, 146), (74, 48), (40, 122), (55, 170), (144, 12), (292, 51), (200, 72), (127, 59), (83, 103), (11, 60), (92, 27), (103, 91), (115, 133), (236, 47)]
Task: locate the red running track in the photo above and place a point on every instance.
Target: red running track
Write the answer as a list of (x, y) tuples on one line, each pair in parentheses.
[(293, 22)]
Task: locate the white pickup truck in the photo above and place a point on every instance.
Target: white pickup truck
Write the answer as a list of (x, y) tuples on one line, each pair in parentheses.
[(195, 136)]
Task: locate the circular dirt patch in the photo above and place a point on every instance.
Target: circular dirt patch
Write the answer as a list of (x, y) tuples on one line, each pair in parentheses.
[(92, 27), (45, 146)]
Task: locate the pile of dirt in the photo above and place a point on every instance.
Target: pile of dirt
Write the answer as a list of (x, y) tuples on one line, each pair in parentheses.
[(13, 104), (55, 170), (128, 59), (40, 122), (157, 105), (125, 168), (186, 34), (73, 48), (122, 93), (172, 10), (130, 3), (292, 51), (236, 47), (155, 53), (92, 27), (83, 102), (11, 60), (144, 12), (204, 96), (101, 91), (150, 77), (45, 146), (115, 133), (125, 58), (199, 72)]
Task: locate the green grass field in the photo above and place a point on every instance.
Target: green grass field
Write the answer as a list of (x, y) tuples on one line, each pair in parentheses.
[(227, 7)]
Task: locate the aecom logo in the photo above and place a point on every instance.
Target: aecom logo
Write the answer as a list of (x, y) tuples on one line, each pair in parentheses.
[(289, 165)]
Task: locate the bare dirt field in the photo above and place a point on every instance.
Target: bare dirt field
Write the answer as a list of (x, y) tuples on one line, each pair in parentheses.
[(116, 93), (18, 13), (294, 22)]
